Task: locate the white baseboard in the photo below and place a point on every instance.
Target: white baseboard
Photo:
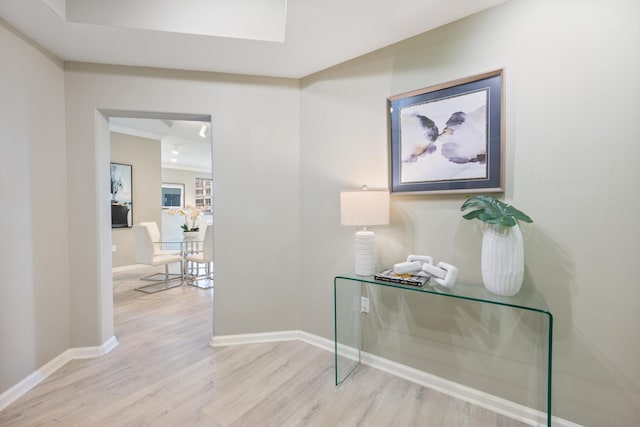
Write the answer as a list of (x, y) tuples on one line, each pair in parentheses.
[(477, 397), (485, 400), (225, 340), (318, 341), (18, 390), (128, 268), (91, 352)]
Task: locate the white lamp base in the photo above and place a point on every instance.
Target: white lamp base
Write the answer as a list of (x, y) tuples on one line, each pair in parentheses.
[(365, 253)]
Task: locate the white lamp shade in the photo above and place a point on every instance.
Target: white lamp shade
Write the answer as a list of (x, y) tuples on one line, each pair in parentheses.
[(364, 207)]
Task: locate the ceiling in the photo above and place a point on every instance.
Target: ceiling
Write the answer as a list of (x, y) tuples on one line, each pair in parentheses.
[(279, 38), (182, 145), (300, 37)]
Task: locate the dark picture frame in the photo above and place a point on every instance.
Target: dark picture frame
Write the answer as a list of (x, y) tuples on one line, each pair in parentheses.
[(121, 195), (172, 195), (448, 138)]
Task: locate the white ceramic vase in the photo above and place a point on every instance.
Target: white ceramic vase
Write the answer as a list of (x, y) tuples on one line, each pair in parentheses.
[(190, 234), (502, 261)]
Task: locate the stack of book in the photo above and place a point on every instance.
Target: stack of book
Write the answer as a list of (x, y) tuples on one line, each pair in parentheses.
[(388, 275)]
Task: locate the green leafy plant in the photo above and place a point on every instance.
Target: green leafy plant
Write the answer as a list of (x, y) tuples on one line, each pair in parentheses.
[(492, 211)]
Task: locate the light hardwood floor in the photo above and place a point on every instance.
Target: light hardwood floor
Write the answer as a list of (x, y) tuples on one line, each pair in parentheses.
[(164, 373)]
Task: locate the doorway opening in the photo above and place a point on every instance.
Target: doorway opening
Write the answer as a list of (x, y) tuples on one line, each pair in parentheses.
[(171, 156)]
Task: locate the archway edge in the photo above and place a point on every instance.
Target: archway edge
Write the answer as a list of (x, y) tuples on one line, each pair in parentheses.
[(102, 117)]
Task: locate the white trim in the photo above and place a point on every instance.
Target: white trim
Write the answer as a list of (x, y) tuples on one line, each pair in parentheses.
[(21, 388), (135, 132), (316, 340), (91, 352), (476, 397), (488, 401), (128, 268), (225, 340)]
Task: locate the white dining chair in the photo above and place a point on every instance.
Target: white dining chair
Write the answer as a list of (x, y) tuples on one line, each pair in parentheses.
[(200, 260), (145, 254), (156, 238)]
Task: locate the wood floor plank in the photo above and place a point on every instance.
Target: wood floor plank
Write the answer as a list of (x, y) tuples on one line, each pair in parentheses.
[(164, 373)]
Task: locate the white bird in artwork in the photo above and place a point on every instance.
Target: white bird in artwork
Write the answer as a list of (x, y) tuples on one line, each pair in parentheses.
[(464, 139)]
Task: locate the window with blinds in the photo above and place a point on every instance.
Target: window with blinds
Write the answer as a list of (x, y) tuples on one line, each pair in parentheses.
[(204, 194)]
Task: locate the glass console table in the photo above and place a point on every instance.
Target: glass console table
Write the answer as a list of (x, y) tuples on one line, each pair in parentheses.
[(347, 290)]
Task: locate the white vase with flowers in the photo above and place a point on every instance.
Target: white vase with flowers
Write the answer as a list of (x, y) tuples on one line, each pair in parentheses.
[(190, 227)]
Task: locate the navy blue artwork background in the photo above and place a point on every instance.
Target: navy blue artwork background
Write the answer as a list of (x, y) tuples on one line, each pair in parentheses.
[(493, 182)]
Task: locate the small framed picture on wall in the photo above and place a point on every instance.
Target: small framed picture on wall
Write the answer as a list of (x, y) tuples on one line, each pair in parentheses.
[(172, 195), (121, 195)]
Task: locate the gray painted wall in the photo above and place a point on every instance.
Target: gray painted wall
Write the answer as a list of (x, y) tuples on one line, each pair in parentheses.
[(255, 141), (572, 108), (143, 154), (34, 275)]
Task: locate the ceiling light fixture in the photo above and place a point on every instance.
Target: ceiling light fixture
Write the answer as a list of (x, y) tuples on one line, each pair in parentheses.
[(203, 130)]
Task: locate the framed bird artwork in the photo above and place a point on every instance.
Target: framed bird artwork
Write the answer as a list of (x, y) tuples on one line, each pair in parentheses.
[(448, 138)]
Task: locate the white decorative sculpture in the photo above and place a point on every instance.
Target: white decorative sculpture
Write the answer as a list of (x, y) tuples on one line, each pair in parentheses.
[(422, 265)]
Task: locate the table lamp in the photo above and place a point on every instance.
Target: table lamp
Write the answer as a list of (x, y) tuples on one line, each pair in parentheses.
[(364, 208)]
